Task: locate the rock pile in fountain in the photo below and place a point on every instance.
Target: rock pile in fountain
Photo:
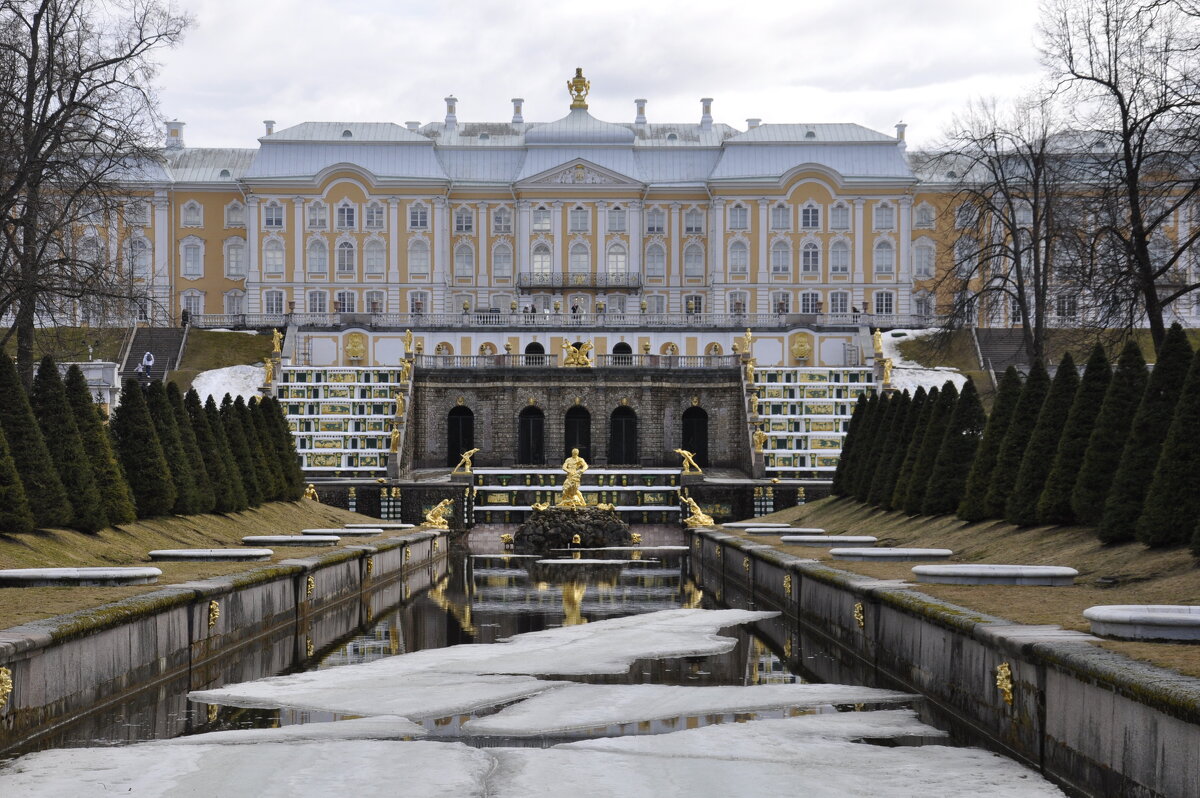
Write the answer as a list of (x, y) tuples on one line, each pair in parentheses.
[(556, 528)]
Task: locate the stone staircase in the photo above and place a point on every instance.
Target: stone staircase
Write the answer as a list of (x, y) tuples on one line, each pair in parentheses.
[(1001, 348), (163, 342)]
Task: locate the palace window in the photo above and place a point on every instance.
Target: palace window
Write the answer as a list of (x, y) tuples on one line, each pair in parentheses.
[(235, 259), (922, 304), (235, 302), (839, 258), (810, 217), (418, 302), (616, 220), (235, 214), (656, 261), (885, 217), (502, 221), (502, 262), (1066, 306), (345, 257), (317, 302), (966, 253), (810, 302), (273, 257), (344, 302), (693, 263), (418, 260), (193, 214), (839, 302), (192, 266), (139, 258), (541, 220), (656, 220), (885, 258), (617, 262), (885, 303), (693, 222), (781, 302), (739, 218), (464, 221), (137, 214), (739, 258), (810, 258), (579, 262), (781, 217), (541, 260), (656, 303), (1024, 214), (273, 302), (464, 262), (193, 302), (839, 217), (318, 216), (781, 258), (273, 216), (418, 216), (923, 261), (347, 217), (578, 220), (374, 217), (738, 301), (924, 217), (965, 215), (317, 258), (376, 302), (374, 257)]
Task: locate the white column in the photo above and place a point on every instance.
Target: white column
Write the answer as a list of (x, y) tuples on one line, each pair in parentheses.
[(254, 284), (674, 269), (716, 247), (763, 298), (298, 240), (483, 251), (635, 237), (859, 238), (441, 244), (903, 258), (522, 253), (601, 235), (393, 272), (162, 277), (556, 228)]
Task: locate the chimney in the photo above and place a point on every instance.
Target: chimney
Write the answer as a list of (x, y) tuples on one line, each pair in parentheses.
[(175, 135), (412, 125), (706, 113), (753, 122), (900, 128), (640, 119), (269, 124), (517, 117), (451, 119)]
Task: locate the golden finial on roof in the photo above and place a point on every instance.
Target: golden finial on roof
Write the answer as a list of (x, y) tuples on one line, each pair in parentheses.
[(578, 86)]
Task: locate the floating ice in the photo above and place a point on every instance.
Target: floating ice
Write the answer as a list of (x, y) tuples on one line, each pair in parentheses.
[(587, 706), (382, 727)]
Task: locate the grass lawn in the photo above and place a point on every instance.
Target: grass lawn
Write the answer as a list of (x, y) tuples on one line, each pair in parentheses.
[(70, 344), (207, 349)]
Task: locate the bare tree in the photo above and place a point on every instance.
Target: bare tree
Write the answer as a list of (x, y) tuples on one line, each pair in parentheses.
[(1128, 69), (76, 132)]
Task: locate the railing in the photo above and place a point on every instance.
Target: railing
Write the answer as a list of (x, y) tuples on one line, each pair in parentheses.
[(599, 361), (601, 280)]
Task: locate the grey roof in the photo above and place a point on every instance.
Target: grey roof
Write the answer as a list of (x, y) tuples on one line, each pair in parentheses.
[(616, 159), (484, 165), (844, 133), (685, 134), (848, 160), (208, 165), (335, 131), (578, 127), (676, 165), (285, 160)]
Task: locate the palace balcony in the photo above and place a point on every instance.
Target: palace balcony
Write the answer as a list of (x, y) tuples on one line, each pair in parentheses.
[(529, 281), (599, 361)]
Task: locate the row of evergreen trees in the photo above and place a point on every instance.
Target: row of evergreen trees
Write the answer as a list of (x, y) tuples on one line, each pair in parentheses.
[(162, 452), (1116, 450)]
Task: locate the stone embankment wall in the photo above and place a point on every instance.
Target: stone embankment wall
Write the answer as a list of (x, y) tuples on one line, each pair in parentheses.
[(229, 628), (1095, 722)]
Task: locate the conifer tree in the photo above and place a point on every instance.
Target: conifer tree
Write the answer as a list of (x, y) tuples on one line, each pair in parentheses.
[(875, 493), (262, 468), (285, 447), (973, 507), (15, 516), (964, 430), (243, 456), (1054, 505), (1021, 507), (1108, 437), (931, 443), (887, 413), (110, 481), (1146, 434), (205, 501), (1012, 448), (226, 491), (1172, 502), (48, 400), (240, 498), (258, 423), (905, 473), (141, 454), (862, 445), (841, 476), (896, 456), (186, 498), (43, 488)]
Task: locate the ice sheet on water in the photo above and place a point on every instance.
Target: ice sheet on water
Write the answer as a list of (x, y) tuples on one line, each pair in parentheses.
[(383, 727), (587, 706), (444, 681)]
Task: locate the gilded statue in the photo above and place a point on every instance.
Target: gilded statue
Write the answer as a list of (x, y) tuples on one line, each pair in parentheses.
[(752, 403), (579, 86), (276, 342), (408, 342), (576, 355), (356, 346), (465, 461), (436, 517), (571, 496), (311, 492), (575, 463), (887, 371), (747, 341), (399, 405), (760, 440), (268, 371), (405, 370), (877, 337), (801, 349), (689, 461), (395, 436), (750, 364), (698, 516)]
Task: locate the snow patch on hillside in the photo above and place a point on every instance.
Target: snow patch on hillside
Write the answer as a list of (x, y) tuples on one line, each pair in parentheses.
[(243, 381), (908, 375)]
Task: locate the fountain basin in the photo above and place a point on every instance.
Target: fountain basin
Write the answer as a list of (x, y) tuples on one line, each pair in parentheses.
[(78, 577), (1043, 575), (828, 540), (290, 540), (379, 526), (362, 532), (890, 554), (211, 555), (1145, 621), (754, 524)]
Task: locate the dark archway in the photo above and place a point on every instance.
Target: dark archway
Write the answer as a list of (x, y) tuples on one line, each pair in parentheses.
[(577, 432), (695, 434), (623, 354), (623, 437), (460, 434), (531, 434), (532, 351)]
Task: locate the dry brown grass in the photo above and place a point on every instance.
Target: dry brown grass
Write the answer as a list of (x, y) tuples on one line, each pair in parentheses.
[(129, 544), (1127, 574)]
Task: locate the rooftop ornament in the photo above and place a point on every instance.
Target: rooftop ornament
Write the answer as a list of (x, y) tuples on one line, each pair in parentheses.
[(578, 86)]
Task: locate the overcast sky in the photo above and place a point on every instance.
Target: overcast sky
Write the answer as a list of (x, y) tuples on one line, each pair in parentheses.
[(874, 62)]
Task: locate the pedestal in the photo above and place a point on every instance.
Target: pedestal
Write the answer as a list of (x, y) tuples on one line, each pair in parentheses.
[(758, 465), (691, 479), (460, 479), (393, 466)]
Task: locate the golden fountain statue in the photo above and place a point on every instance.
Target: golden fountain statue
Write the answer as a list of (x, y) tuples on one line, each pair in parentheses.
[(689, 461), (268, 371), (887, 371), (572, 497), (276, 342), (577, 355), (405, 369), (877, 338), (311, 493), (698, 516), (465, 461), (760, 440), (436, 517), (408, 341), (394, 446)]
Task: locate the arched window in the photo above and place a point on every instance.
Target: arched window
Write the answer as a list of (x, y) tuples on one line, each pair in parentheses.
[(540, 261), (193, 214), (693, 263), (347, 216), (656, 261), (502, 221), (374, 216), (810, 258), (695, 434), (376, 302), (885, 258), (617, 262), (739, 258), (781, 258), (781, 217), (531, 449), (810, 302), (623, 437), (460, 433), (345, 257), (739, 218), (317, 257), (418, 260), (318, 215), (579, 262), (693, 222), (502, 262), (90, 252), (235, 214), (923, 260), (464, 221), (924, 216), (839, 258), (345, 302), (235, 258), (810, 217), (374, 256), (577, 432), (139, 258), (273, 257), (464, 262), (273, 302)]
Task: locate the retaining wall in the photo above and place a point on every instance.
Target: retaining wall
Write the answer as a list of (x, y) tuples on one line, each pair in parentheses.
[(1093, 721), (199, 634)]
